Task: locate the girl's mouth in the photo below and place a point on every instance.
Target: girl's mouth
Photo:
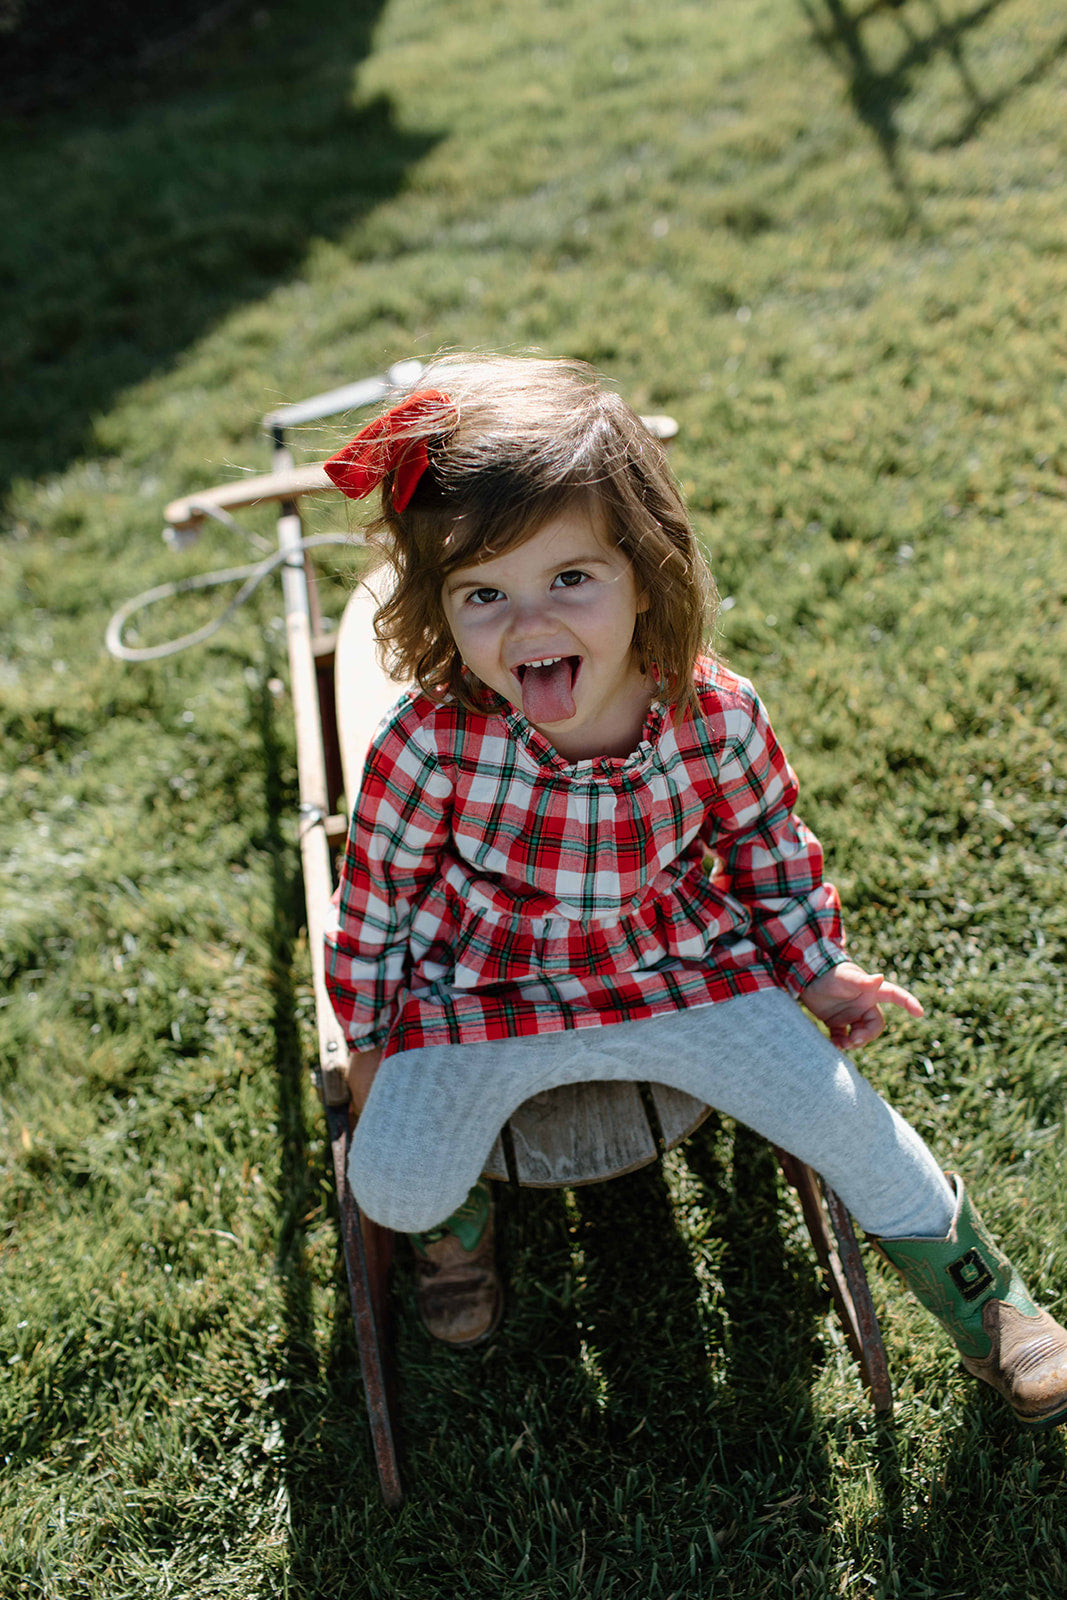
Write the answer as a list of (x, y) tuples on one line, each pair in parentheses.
[(547, 687)]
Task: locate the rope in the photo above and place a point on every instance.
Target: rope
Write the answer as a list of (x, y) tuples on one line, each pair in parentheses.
[(253, 575)]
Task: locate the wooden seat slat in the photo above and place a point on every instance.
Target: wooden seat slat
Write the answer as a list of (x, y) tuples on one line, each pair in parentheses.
[(581, 1133), (679, 1114)]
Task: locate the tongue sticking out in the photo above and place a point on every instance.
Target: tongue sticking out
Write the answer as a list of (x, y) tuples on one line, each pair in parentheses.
[(546, 692)]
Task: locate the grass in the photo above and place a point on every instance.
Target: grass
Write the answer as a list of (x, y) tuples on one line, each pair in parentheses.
[(827, 236)]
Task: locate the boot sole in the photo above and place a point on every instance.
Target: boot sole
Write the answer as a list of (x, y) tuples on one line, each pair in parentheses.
[(1039, 1424), (468, 1344), (1036, 1423)]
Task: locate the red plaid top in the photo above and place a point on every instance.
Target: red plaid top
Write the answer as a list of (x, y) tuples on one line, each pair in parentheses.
[(490, 888)]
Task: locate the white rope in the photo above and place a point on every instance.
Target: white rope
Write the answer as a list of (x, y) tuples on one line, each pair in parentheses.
[(252, 575)]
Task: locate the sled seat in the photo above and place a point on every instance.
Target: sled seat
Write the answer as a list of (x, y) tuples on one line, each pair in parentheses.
[(584, 1133)]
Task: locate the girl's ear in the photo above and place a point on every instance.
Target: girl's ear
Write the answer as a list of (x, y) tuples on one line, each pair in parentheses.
[(642, 601)]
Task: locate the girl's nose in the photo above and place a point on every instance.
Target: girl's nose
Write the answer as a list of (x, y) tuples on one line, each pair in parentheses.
[(530, 616)]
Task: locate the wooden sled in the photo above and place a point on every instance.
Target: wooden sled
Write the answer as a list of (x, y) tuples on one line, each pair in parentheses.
[(581, 1134)]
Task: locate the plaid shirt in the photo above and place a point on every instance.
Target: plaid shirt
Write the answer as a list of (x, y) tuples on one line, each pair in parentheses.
[(490, 888)]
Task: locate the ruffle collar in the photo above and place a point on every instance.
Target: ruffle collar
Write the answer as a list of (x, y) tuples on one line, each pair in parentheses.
[(595, 768)]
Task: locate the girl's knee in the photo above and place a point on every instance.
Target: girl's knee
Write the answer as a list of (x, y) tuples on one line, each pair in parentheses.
[(401, 1199)]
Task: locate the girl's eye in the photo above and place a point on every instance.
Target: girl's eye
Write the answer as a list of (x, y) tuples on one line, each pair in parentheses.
[(571, 578), (483, 597)]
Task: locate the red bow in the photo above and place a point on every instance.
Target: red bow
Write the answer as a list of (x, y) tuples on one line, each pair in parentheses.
[(384, 446)]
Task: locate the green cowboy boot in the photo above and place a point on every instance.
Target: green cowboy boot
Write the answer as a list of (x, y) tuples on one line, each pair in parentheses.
[(457, 1288), (976, 1294)]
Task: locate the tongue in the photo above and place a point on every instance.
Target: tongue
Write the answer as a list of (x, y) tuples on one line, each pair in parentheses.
[(546, 693)]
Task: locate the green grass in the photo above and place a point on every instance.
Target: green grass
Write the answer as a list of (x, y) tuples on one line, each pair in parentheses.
[(828, 237)]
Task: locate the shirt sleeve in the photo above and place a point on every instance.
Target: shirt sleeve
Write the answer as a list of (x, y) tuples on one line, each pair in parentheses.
[(399, 826), (766, 857)]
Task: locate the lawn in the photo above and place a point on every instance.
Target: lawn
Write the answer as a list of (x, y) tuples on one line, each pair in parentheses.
[(828, 237)]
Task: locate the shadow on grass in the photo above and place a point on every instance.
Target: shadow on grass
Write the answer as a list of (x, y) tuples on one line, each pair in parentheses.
[(134, 220), (684, 1360), (300, 1371), (322, 1402), (633, 1428), (878, 91), (330, 1476), (927, 1537), (622, 1415), (54, 53)]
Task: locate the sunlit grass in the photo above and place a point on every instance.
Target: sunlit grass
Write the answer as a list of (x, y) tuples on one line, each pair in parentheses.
[(828, 238)]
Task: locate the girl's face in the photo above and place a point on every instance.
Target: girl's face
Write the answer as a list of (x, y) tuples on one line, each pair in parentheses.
[(549, 625)]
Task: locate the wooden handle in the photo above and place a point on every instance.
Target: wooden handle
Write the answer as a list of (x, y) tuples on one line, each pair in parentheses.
[(289, 484)]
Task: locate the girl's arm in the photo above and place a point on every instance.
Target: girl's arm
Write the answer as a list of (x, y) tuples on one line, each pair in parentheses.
[(767, 858), (401, 821), (773, 864)]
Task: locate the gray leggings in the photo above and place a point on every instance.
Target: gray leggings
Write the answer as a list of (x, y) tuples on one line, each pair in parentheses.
[(432, 1114)]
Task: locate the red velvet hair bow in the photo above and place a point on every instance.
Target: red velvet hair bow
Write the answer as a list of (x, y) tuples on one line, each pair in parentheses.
[(385, 446)]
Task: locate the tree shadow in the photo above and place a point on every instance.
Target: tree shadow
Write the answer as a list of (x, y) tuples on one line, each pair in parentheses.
[(135, 220), (878, 92), (52, 57), (986, 106)]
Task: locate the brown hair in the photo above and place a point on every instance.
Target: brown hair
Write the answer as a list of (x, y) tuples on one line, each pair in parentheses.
[(520, 440)]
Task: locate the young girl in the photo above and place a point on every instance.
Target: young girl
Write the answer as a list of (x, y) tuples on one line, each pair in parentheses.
[(526, 899)]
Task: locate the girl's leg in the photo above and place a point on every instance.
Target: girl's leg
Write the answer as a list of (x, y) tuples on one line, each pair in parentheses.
[(426, 1130), (762, 1061), (973, 1290), (402, 1176), (433, 1114)]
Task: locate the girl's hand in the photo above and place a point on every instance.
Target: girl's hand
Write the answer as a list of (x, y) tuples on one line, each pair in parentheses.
[(362, 1065), (849, 1001)]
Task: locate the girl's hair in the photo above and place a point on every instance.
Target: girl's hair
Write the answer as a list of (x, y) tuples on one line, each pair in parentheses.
[(520, 441)]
